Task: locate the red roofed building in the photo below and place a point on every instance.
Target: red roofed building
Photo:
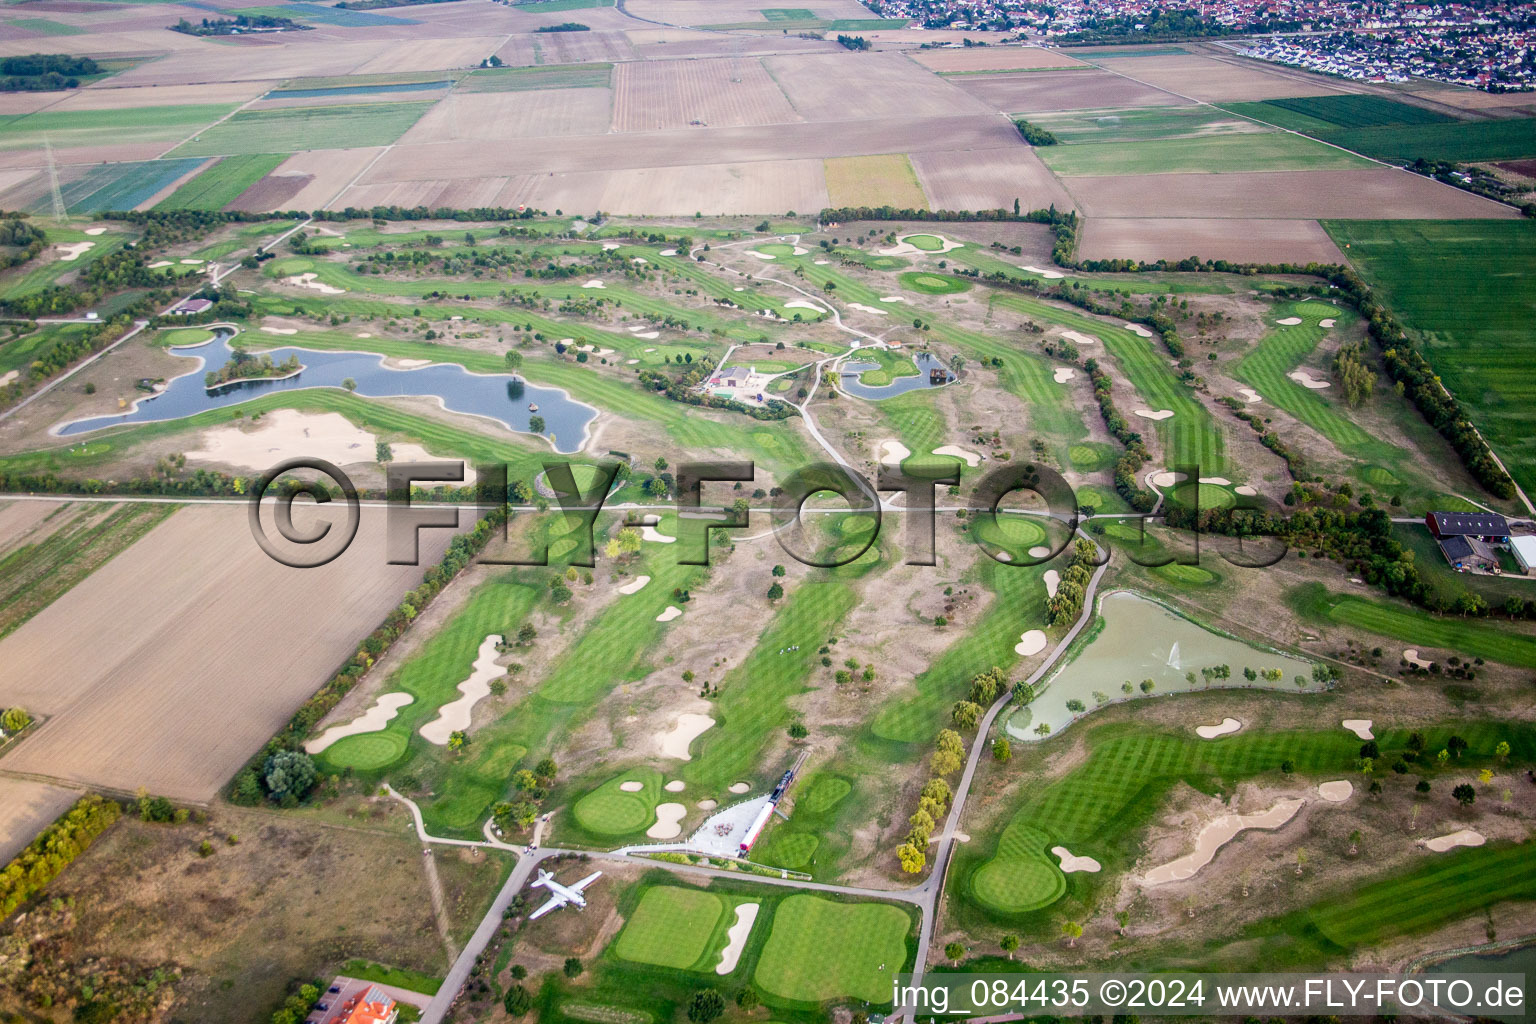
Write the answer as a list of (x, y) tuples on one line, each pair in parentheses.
[(373, 1007)]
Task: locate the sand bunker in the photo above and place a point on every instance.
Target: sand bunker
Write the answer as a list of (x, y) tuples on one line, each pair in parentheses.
[(971, 458), (1217, 834), (1220, 481), (905, 248), (1064, 374), (1465, 837), (1167, 478), (675, 786), (1052, 581), (1049, 275), (746, 916), (1336, 792), (892, 298), (1070, 862), (1306, 380), (1079, 339), (759, 255), (1361, 727), (671, 613), (283, 433), (893, 453), (312, 282), (193, 263), (1148, 414), (669, 821), (1138, 329), (819, 263), (280, 330), (95, 231), (610, 246), (867, 309), (455, 717), (1030, 642), (1226, 728), (739, 787), (594, 283), (675, 741), (631, 786), (375, 718), (1290, 321), (1327, 322), (158, 264), (802, 304), (1411, 656), (1244, 490), (72, 251), (634, 585), (668, 252), (708, 805), (1250, 396), (1038, 551), (648, 531)]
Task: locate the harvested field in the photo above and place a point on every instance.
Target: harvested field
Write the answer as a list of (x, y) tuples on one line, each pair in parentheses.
[(711, 12), (216, 634), (988, 179), (994, 58), (428, 54), (26, 808), (1063, 90), (499, 116), (1383, 193), (1475, 99), (325, 172), (766, 186), (1212, 80), (855, 87), (1244, 241), (886, 180), (661, 95), (463, 193), (108, 98), (580, 47)]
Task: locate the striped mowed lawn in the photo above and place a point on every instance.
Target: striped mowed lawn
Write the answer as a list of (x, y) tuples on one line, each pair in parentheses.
[(819, 950), (610, 810), (670, 927), (1452, 633)]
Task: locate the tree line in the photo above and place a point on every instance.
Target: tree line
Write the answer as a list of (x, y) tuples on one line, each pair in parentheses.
[(54, 849)]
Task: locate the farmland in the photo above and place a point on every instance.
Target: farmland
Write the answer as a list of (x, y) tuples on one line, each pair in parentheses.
[(874, 181), (1215, 154), (290, 129), (221, 184)]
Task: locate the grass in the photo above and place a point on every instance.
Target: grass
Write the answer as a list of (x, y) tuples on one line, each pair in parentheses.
[(933, 284), (885, 180), (1463, 288), (554, 6), (413, 981), (1310, 114), (291, 129), (1415, 628), (927, 243), (753, 706), (119, 186), (35, 575), (324, 14), (794, 844), (610, 811), (222, 183), (68, 128), (1217, 154), (555, 76), (1140, 124), (1461, 141), (889, 366), (671, 927), (45, 26), (820, 950)]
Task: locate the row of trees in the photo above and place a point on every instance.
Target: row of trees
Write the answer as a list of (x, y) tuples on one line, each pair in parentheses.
[(54, 849), (1067, 604), (1127, 474)]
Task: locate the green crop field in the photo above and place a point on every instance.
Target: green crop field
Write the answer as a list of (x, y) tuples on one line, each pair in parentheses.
[(221, 183), (1494, 641), (86, 127), (1465, 289), (1141, 124), (119, 186), (45, 26), (1311, 114), (820, 950), (1218, 154), (291, 129), (671, 927), (557, 76), (609, 810)]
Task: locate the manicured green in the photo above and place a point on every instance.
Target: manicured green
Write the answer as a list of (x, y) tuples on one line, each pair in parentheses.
[(1465, 289), (1219, 154), (611, 811), (222, 182), (671, 927), (927, 243), (1468, 637), (820, 950), (1022, 875), (933, 284), (290, 129), (888, 366)]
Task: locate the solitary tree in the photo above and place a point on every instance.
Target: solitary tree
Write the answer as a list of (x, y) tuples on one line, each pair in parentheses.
[(798, 731), (1009, 943), (705, 1006), (517, 1001), (14, 720), (1002, 750), (1073, 931), (1465, 794), (572, 967), (955, 952)]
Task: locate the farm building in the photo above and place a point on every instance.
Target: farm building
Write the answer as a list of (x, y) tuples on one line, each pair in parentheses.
[(1489, 526), (192, 307), (1524, 550)]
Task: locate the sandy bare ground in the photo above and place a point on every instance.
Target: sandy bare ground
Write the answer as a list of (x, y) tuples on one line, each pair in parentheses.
[(1216, 834), (456, 715), (1384, 193), (1246, 241), (495, 116), (988, 180), (162, 96), (1461, 837), (675, 741), (995, 58), (831, 87), (200, 648), (1040, 91), (430, 54), (26, 808), (660, 95), (742, 188), (461, 193), (746, 916)]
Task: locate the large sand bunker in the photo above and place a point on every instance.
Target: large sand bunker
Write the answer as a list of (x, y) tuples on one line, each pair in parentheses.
[(669, 821), (1070, 862), (1250, 396), (1079, 339), (73, 251), (1148, 414), (1138, 329), (1052, 580), (1030, 642), (675, 786), (1064, 374), (746, 916), (1464, 837), (1245, 490), (1306, 380), (634, 585), (312, 281), (739, 787), (375, 718), (1217, 834), (675, 741), (1361, 727), (893, 453), (283, 433), (971, 458), (672, 612), (868, 309), (631, 786), (1226, 728), (1337, 791), (1049, 275), (455, 716), (1411, 656), (1290, 321)]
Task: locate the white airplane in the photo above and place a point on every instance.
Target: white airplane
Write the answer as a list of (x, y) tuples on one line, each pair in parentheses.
[(562, 894)]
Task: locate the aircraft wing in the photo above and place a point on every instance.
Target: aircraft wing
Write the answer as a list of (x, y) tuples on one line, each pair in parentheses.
[(579, 886), (553, 903)]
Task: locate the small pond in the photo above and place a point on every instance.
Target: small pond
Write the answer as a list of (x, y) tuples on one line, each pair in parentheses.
[(927, 365), (499, 396), (1142, 640)]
